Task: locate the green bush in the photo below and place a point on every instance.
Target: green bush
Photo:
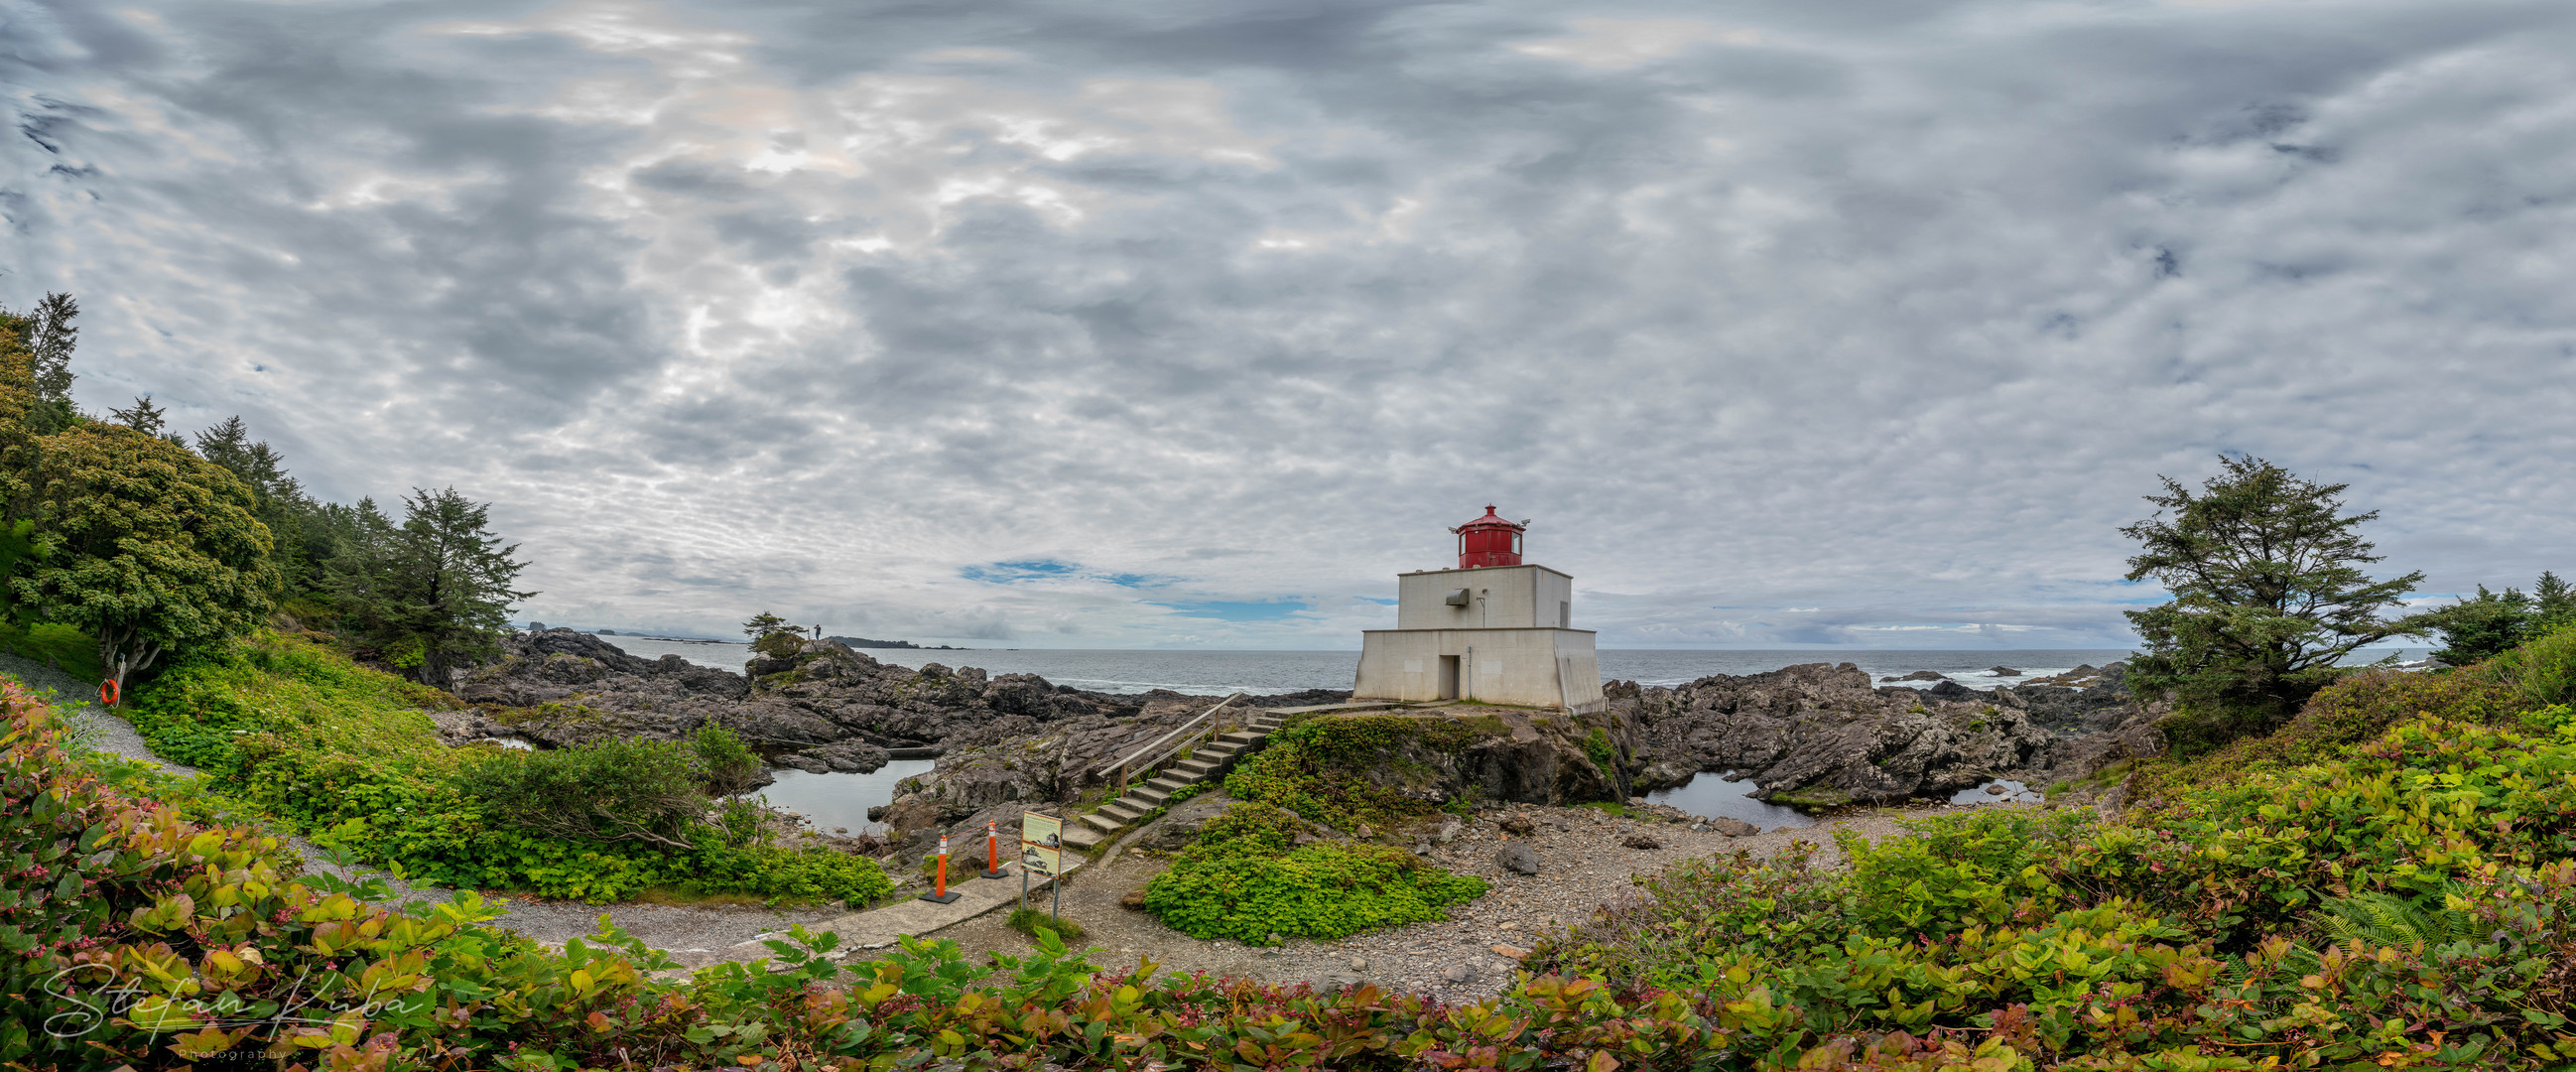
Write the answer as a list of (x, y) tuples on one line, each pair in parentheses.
[(725, 766), (1320, 767), (610, 790), (1246, 879), (1030, 921), (779, 645), (2542, 672)]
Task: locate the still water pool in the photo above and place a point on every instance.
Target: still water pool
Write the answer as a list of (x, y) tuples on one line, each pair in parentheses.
[(841, 800), (1713, 797), (2013, 793)]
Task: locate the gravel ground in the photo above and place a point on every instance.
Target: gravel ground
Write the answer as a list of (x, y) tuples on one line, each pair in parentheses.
[(679, 928), (1583, 863)]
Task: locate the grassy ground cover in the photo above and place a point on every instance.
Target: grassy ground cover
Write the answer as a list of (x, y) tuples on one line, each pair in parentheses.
[(351, 757), (66, 647)]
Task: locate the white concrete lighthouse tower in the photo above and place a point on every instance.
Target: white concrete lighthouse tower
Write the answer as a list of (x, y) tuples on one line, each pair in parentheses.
[(1492, 630)]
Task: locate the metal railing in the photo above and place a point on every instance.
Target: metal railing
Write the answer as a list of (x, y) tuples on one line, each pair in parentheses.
[(1166, 746)]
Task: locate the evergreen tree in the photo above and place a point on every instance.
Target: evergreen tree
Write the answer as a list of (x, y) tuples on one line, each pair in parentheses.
[(50, 338), (142, 416), (2269, 593), (360, 580), (450, 581), (282, 504), (765, 623), (2474, 629), (2553, 604)]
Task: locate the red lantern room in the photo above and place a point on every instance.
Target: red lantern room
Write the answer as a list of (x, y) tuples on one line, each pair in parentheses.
[(1489, 541)]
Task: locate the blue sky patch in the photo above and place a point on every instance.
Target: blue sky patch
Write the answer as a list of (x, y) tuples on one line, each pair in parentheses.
[(1034, 569), (1229, 611)]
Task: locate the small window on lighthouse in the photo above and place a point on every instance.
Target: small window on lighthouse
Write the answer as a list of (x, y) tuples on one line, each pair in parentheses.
[(1516, 543)]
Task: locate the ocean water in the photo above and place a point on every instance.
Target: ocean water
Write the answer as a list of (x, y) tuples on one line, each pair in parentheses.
[(1216, 673), (840, 799)]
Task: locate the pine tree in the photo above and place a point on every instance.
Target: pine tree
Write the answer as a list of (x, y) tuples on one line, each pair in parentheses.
[(51, 339), (451, 584), (2269, 593), (2553, 604)]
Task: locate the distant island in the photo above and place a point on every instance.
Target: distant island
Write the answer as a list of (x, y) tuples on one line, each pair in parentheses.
[(863, 642)]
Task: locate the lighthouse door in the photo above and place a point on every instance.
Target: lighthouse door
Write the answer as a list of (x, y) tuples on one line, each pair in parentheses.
[(1448, 677)]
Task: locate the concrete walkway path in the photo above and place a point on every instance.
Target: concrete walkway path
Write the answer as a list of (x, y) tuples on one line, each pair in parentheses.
[(880, 927)]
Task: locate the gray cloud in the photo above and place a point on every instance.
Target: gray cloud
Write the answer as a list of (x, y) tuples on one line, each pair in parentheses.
[(1793, 323)]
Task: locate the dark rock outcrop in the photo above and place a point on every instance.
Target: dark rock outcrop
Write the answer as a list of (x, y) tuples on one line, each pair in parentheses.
[(820, 707), (1820, 735)]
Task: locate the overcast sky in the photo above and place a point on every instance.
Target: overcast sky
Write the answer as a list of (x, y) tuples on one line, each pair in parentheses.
[(1126, 324)]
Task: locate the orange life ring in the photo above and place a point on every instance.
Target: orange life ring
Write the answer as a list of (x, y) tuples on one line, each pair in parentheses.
[(108, 693)]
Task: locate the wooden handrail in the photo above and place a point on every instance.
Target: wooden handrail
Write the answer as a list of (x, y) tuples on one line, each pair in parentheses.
[(1146, 758)]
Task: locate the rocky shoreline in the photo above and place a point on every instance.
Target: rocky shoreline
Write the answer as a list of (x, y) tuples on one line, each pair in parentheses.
[(1817, 736)]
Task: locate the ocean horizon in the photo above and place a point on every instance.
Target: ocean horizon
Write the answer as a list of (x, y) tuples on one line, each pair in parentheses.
[(1215, 672)]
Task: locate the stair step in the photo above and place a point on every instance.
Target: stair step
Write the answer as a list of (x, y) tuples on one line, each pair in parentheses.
[(1222, 748), (1081, 837), (1122, 811), (1152, 797), (1102, 823), (1239, 737), (1169, 785), (1193, 769)]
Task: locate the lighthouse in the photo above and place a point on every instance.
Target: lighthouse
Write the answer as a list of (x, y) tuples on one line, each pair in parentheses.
[(1495, 630)]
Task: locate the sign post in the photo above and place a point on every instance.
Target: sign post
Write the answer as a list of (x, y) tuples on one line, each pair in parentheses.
[(1041, 852)]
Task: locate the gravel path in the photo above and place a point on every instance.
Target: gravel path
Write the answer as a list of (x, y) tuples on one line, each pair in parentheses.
[(679, 928), (1583, 863)]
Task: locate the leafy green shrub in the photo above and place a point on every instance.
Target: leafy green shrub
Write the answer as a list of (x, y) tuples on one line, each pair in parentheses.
[(609, 790), (1320, 767), (2542, 672), (780, 644), (725, 766), (1030, 921), (1245, 878)]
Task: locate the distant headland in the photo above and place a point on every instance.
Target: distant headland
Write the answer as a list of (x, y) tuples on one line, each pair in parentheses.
[(855, 642)]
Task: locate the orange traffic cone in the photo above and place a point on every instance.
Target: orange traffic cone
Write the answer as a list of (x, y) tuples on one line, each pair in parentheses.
[(940, 893)]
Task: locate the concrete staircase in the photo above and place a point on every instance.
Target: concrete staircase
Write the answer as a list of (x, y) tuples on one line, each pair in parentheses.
[(1209, 761)]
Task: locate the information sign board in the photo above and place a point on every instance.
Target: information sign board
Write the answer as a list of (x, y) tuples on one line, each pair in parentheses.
[(1041, 841)]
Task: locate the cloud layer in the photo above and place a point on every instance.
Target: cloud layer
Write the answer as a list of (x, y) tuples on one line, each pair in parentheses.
[(1189, 324)]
